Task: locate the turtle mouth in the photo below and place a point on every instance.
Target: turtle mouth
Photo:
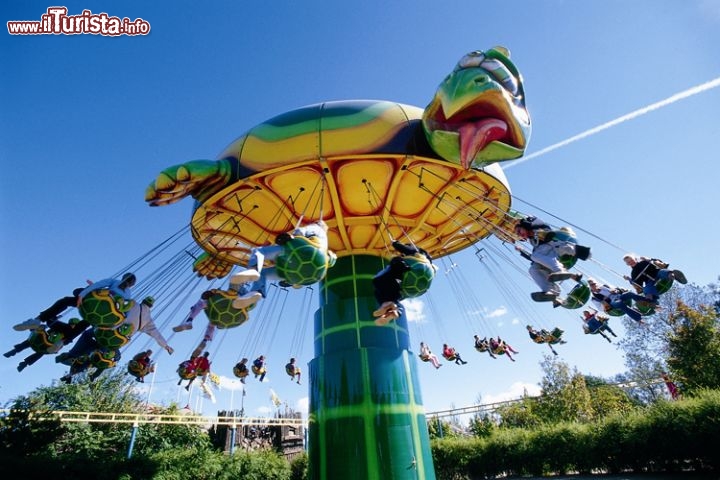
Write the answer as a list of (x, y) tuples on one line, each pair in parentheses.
[(477, 126)]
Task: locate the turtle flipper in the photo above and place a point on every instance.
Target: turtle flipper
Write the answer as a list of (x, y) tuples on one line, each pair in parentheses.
[(198, 178), (211, 267)]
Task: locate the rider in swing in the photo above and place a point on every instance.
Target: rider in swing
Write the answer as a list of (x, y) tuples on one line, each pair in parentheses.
[(548, 246)]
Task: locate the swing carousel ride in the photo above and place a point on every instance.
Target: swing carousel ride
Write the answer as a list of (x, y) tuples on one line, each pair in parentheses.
[(373, 172)]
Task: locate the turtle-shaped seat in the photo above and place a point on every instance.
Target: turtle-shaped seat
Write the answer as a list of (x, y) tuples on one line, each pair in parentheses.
[(220, 310), (303, 261), (482, 347), (137, 369), (417, 280), (100, 308), (451, 357), (554, 336), (577, 296), (240, 370), (499, 350), (648, 308), (292, 370), (186, 370), (424, 358), (103, 359), (112, 338), (616, 312), (46, 341)]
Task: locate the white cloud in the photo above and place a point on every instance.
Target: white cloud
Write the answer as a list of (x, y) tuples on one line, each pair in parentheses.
[(414, 309), (227, 383), (516, 390), (498, 312)]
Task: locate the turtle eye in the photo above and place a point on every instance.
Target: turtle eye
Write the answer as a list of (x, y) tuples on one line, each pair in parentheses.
[(501, 73), (472, 59)]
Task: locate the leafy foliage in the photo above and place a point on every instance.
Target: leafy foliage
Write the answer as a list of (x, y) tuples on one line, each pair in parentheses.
[(694, 347)]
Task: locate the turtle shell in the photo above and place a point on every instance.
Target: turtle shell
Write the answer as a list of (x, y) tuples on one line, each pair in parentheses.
[(295, 165), (115, 337), (417, 280), (302, 262), (222, 314), (101, 309)]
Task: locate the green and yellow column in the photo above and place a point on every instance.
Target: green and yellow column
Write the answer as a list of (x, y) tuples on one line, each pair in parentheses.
[(367, 419)]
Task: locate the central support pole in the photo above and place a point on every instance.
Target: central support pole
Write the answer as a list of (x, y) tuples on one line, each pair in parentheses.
[(366, 414)]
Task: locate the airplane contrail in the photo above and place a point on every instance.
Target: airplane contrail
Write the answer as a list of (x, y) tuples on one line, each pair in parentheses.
[(642, 111)]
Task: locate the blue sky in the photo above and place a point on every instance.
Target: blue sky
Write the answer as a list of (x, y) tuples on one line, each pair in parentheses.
[(88, 121)]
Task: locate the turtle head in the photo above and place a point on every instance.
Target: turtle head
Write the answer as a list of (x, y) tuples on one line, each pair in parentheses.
[(478, 115)]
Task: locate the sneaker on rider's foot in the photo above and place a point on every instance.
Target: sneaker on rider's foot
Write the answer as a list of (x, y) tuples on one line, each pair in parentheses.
[(31, 323), (62, 358), (249, 275), (182, 327), (679, 276), (244, 301)]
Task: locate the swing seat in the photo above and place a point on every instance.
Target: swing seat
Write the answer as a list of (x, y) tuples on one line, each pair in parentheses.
[(137, 369), (186, 370), (566, 235), (103, 359), (424, 358), (222, 314), (113, 338), (45, 341), (662, 286), (292, 371), (482, 348), (257, 371), (578, 296), (645, 308), (418, 279), (302, 262), (451, 357), (240, 372), (615, 312), (101, 309)]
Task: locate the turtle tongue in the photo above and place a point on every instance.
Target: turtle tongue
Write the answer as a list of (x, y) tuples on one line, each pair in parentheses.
[(476, 135)]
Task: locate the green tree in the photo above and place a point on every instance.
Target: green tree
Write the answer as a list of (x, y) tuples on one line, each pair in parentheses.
[(608, 399), (694, 347), (440, 429), (646, 347), (565, 396), (482, 425), (522, 414), (28, 431), (29, 428)]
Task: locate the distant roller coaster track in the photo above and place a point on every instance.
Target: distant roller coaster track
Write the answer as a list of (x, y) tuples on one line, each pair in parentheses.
[(203, 420), (191, 419)]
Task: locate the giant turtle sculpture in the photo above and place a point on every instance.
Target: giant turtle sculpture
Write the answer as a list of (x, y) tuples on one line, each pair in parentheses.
[(390, 160), (371, 170)]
